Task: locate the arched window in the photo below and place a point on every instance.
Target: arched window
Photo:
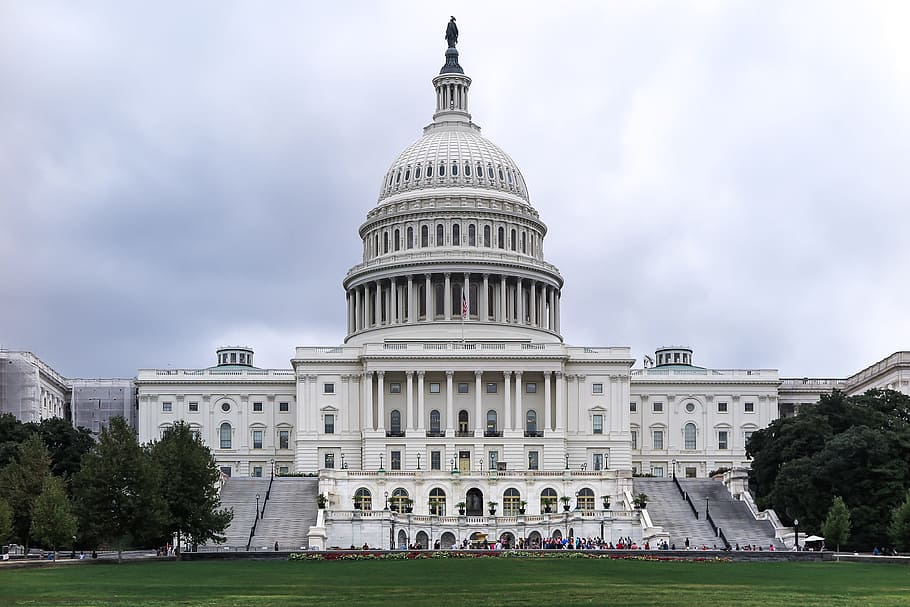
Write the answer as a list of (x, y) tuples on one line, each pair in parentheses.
[(456, 235), (407, 174), (531, 421), (491, 421), (410, 237), (689, 432), (417, 172), (467, 170), (512, 239), (397, 239), (472, 235), (440, 299), (486, 236), (395, 420), (490, 171), (584, 500), (456, 296), (399, 500), (434, 420), (548, 500), (501, 241), (524, 242), (422, 301), (472, 305), (479, 172), (511, 502), (437, 502), (501, 176), (398, 177), (385, 242), (442, 170), (424, 236), (454, 170), (429, 170), (225, 432), (462, 422), (440, 235), (363, 499)]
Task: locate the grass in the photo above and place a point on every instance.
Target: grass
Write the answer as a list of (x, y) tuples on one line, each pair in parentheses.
[(477, 583)]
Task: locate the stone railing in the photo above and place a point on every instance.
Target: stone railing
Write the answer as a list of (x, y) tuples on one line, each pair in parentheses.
[(204, 374), (749, 374), (895, 360), (446, 255)]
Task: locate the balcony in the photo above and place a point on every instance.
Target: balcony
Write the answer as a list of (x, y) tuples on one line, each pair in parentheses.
[(534, 433), (395, 433), (464, 433), (436, 433), (492, 433)]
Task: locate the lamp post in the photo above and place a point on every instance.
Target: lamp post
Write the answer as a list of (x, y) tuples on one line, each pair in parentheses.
[(272, 466), (707, 499), (418, 460), (796, 524), (386, 500), (567, 461), (380, 462), (344, 466), (674, 469), (257, 506)]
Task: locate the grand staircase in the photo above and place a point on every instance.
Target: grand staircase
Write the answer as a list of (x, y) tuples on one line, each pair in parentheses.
[(669, 510), (731, 515), (239, 494), (288, 515)]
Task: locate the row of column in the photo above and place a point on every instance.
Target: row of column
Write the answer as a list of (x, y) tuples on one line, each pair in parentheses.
[(393, 302), (417, 423)]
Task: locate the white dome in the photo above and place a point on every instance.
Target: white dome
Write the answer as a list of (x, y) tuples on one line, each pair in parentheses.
[(450, 157)]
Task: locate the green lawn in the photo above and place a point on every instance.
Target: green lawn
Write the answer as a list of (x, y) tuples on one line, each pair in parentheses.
[(474, 582)]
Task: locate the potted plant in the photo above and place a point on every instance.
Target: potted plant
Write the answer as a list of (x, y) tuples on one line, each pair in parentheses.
[(521, 506), (461, 506), (641, 500), (408, 505), (492, 505), (356, 503), (606, 501), (547, 504), (321, 501), (566, 502)]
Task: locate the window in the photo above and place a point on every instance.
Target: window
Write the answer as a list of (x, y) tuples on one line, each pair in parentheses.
[(435, 460), (440, 235), (438, 496), (633, 407), (533, 460), (463, 388), (434, 420), (658, 436), (501, 238), (328, 388), (395, 388), (397, 239), (598, 423), (547, 500), (226, 470), (257, 471), (597, 461), (689, 436), (531, 388), (491, 421), (658, 407), (283, 407), (597, 388), (363, 499), (284, 437), (691, 472), (329, 460), (194, 406), (429, 170), (399, 500), (491, 388), (690, 407), (225, 432), (721, 407), (722, 439), (512, 239), (657, 471), (396, 460), (472, 235), (486, 236), (635, 439), (395, 419), (531, 421), (283, 470), (749, 407), (584, 499), (511, 502), (410, 238), (424, 234), (257, 407), (329, 423), (494, 459), (257, 439), (167, 407), (442, 170), (438, 297), (456, 235), (434, 388)]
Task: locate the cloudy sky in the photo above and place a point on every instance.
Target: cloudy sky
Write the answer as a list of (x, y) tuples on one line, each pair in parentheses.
[(728, 175)]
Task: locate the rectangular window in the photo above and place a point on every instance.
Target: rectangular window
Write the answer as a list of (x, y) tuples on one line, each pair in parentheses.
[(226, 470), (531, 388), (257, 471), (722, 439), (747, 435), (691, 472), (434, 388), (598, 424), (395, 388), (633, 407), (463, 388), (328, 388), (396, 460), (634, 439), (721, 407), (657, 471), (329, 424), (533, 460), (494, 459), (329, 460), (658, 439), (750, 407), (257, 407), (491, 388), (283, 407), (167, 407), (284, 437), (435, 460), (283, 469), (257, 439), (194, 407), (658, 407), (597, 388), (598, 461)]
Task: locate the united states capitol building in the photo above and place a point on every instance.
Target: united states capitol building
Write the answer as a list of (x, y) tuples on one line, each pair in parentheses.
[(455, 409)]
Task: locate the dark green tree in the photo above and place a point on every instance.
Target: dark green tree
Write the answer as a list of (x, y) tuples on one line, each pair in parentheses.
[(22, 481), (53, 522), (190, 492), (117, 491), (6, 521), (837, 524), (65, 444), (900, 525), (12, 434)]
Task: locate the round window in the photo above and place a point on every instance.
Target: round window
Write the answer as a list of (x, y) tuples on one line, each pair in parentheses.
[(690, 407), (225, 407)]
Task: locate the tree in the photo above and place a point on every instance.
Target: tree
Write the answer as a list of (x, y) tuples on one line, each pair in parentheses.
[(65, 444), (190, 493), (837, 524), (22, 481), (6, 521), (900, 525), (12, 434), (117, 490), (53, 522)]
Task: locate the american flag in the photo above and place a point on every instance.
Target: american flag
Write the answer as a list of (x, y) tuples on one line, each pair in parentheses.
[(464, 306)]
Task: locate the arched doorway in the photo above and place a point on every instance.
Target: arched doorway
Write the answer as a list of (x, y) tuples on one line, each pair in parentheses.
[(474, 502), (422, 539), (534, 539), (507, 539), (447, 540), (402, 539), (557, 534)]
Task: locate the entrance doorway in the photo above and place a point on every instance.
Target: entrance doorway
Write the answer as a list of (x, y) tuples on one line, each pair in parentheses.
[(423, 539), (464, 461), (474, 502)]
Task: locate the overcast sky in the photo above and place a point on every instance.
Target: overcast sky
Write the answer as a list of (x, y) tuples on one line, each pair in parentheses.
[(732, 176)]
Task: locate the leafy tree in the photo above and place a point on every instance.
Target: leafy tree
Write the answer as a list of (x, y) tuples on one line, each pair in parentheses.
[(52, 521), (65, 444), (22, 481), (6, 521), (190, 493), (900, 525), (117, 490), (12, 434), (837, 524)]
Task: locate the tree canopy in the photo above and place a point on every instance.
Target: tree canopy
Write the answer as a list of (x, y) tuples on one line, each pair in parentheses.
[(22, 481), (53, 522)]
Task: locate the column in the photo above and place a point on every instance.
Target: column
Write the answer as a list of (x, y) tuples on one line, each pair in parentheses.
[(366, 306), (520, 296), (547, 402), (450, 408), (358, 309), (420, 415), (431, 313), (378, 320), (393, 303), (502, 298), (412, 419), (519, 419), (411, 311), (447, 296), (482, 313), (552, 309), (380, 404), (507, 399), (467, 294), (560, 402), (368, 399), (533, 303), (556, 319), (478, 411)]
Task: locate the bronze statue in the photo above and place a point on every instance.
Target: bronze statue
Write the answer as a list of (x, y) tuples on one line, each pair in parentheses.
[(452, 33)]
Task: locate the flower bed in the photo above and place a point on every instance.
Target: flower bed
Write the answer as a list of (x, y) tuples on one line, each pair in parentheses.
[(402, 555)]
